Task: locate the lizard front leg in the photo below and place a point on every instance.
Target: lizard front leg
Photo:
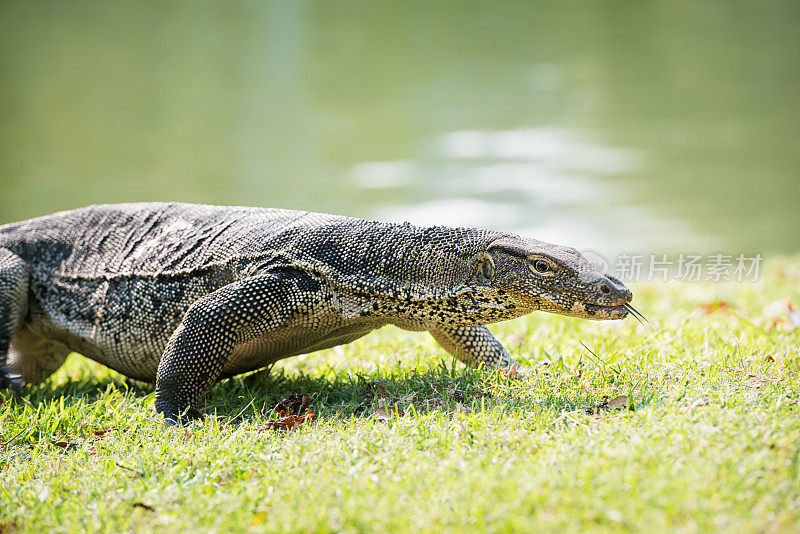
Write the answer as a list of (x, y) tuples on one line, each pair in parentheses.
[(473, 346), (14, 284), (201, 346)]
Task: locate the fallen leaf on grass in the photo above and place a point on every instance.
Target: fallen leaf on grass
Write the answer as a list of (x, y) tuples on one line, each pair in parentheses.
[(288, 422), (461, 408), (100, 432), (376, 387), (774, 322), (718, 305), (8, 528), (789, 274), (738, 371), (63, 443), (144, 506), (123, 466), (781, 313), (384, 413), (512, 371), (696, 404), (617, 403), (793, 315), (293, 404)]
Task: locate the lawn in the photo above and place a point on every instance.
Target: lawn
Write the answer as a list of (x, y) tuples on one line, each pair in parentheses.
[(707, 436)]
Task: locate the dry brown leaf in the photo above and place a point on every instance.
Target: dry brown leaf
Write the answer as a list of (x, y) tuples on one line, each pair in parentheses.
[(769, 359), (461, 408), (782, 313), (288, 422), (789, 273), (696, 404), (385, 413), (131, 469), (618, 403), (293, 404), (63, 443), (793, 315), (774, 322), (717, 305), (512, 371), (100, 432), (144, 506)]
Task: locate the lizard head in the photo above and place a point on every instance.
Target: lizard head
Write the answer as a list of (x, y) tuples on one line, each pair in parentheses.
[(535, 275)]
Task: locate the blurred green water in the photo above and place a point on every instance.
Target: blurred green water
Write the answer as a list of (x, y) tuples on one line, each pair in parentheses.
[(649, 126)]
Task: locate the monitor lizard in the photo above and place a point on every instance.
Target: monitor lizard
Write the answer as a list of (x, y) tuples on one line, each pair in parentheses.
[(184, 295)]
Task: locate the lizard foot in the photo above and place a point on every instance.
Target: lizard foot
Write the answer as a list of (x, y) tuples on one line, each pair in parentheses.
[(174, 413), (182, 418), (11, 380)]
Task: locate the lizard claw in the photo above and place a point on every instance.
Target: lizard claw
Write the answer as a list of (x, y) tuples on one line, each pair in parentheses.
[(11, 380)]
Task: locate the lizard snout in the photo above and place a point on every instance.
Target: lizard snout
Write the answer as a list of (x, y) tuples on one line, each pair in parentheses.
[(614, 290)]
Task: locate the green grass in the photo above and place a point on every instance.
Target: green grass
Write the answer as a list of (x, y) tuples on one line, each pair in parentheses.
[(711, 442)]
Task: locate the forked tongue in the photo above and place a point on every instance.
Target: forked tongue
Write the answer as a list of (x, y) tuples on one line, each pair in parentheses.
[(638, 316)]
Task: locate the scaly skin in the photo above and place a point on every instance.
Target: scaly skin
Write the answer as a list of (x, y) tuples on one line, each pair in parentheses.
[(185, 295)]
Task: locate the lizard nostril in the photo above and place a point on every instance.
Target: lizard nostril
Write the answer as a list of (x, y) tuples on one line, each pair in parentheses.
[(604, 289)]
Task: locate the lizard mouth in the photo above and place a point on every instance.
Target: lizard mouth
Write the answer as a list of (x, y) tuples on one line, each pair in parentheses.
[(555, 303), (620, 312), (600, 311)]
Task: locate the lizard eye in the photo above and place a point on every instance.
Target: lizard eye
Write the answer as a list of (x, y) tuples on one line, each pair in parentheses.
[(485, 269), (541, 266)]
